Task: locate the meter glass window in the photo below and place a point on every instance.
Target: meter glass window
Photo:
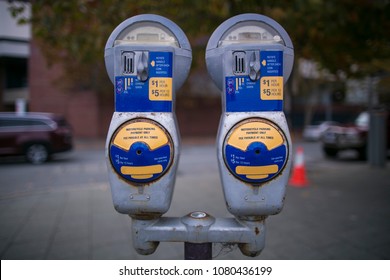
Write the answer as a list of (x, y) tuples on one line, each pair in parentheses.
[(250, 32), (150, 33)]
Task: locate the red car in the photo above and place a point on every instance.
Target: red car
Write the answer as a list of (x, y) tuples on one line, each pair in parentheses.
[(350, 137), (34, 135)]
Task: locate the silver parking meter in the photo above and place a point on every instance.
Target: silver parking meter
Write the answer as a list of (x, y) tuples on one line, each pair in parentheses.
[(148, 58), (250, 57)]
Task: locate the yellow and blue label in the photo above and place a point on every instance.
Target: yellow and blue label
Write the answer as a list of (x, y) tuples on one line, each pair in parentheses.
[(255, 151), (141, 151), (153, 95), (265, 94)]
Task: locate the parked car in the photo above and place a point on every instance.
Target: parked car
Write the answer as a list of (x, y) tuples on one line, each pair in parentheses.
[(314, 132), (352, 136), (35, 135)]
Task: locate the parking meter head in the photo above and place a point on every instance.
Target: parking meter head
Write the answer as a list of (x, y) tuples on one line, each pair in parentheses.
[(246, 32), (145, 32), (250, 57), (147, 58)]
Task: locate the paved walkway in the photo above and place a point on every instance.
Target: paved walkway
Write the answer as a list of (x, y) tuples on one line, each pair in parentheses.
[(343, 214)]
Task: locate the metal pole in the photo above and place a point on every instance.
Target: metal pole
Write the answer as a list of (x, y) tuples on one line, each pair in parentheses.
[(197, 251), (377, 138)]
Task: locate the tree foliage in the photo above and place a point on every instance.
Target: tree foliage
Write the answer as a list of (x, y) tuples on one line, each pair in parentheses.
[(348, 35), (351, 36)]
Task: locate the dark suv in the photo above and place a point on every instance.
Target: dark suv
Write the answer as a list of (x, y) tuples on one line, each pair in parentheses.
[(352, 136), (35, 135)]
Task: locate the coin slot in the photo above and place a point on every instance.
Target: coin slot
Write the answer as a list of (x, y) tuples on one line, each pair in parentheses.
[(239, 63), (128, 63)]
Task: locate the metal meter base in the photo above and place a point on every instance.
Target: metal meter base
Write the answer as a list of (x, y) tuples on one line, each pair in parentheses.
[(200, 228)]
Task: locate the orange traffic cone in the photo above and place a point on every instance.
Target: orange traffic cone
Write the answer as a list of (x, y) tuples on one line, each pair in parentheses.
[(298, 177)]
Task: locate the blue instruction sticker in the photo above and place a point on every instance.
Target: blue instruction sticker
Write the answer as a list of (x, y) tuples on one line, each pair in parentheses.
[(153, 95), (265, 94)]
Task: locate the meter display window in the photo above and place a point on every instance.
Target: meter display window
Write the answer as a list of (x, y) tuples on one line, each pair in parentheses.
[(147, 33), (250, 32)]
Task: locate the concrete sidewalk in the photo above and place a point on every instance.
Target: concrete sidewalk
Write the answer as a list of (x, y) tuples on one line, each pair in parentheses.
[(343, 214)]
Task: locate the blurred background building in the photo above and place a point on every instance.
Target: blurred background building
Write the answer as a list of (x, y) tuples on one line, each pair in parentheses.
[(51, 58), (14, 56)]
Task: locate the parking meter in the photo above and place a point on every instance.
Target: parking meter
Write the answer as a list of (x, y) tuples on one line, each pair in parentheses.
[(249, 58), (147, 58)]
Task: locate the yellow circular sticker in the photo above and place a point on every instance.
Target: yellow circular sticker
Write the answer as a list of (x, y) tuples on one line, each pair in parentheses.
[(255, 150), (141, 150)]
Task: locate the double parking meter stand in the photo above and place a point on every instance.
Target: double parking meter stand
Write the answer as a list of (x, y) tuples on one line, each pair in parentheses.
[(148, 58)]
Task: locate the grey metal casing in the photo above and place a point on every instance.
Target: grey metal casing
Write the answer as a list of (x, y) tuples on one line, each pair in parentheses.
[(243, 199), (152, 199), (148, 200)]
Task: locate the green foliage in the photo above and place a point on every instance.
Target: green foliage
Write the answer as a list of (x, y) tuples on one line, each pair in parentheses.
[(341, 35), (347, 35)]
